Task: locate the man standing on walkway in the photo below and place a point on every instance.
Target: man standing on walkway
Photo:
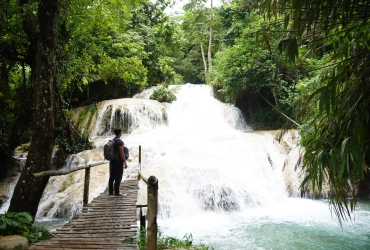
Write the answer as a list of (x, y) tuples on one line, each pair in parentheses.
[(116, 166)]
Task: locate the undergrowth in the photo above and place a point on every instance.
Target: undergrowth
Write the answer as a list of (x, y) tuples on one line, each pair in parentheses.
[(12, 223), (167, 242)]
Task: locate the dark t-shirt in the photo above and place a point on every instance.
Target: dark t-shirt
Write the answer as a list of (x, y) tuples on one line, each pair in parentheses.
[(118, 143)]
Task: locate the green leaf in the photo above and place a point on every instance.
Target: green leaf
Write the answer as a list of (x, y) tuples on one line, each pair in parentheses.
[(2, 224), (129, 240), (343, 147)]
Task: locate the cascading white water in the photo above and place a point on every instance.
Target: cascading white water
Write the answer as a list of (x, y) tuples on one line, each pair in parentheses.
[(129, 114), (200, 149), (233, 188), (229, 186), (209, 159)]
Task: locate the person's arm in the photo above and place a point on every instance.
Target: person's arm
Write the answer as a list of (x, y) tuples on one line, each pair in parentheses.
[(122, 154)]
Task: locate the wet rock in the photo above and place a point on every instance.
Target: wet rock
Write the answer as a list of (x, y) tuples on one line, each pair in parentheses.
[(13, 242), (3, 199)]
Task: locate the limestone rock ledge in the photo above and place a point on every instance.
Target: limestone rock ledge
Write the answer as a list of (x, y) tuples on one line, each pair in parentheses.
[(13, 242)]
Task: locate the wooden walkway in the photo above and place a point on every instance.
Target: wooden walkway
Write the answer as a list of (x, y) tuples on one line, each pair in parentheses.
[(102, 224)]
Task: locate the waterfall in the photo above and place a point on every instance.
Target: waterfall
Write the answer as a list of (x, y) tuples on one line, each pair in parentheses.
[(232, 187), (208, 158), (129, 114), (201, 150), (228, 185)]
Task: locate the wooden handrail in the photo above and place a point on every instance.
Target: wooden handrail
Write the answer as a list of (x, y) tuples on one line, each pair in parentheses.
[(152, 195), (67, 171)]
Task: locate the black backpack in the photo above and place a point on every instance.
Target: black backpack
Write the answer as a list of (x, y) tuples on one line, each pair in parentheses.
[(109, 151)]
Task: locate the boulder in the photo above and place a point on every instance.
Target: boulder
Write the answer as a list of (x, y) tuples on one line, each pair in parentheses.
[(13, 242)]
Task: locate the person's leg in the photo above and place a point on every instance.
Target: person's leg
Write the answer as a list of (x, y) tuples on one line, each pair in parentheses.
[(118, 178), (111, 178)]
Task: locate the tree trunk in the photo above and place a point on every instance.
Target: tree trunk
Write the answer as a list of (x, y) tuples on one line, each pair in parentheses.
[(28, 191), (204, 59), (274, 89), (88, 92), (210, 39), (4, 78)]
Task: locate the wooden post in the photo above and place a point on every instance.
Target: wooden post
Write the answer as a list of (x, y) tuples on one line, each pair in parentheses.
[(151, 243), (142, 220), (139, 157), (142, 217), (138, 176), (86, 186), (152, 209)]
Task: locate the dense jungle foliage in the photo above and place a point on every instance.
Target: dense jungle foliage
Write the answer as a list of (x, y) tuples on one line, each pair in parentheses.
[(285, 63)]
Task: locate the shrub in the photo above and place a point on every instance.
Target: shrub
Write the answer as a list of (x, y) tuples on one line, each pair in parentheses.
[(166, 242), (163, 94), (12, 223)]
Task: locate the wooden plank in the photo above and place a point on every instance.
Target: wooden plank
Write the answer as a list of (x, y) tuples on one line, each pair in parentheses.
[(67, 241), (83, 223), (127, 224), (102, 239), (115, 227), (93, 216), (90, 232), (85, 247), (100, 211), (101, 224)]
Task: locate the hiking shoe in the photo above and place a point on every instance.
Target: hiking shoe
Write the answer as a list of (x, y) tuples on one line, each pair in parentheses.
[(118, 195)]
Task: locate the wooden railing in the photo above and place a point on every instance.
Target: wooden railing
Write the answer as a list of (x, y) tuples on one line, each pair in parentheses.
[(152, 197), (68, 171)]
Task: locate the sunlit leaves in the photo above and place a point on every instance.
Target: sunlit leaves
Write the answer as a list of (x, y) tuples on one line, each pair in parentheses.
[(98, 33), (160, 37), (127, 69)]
